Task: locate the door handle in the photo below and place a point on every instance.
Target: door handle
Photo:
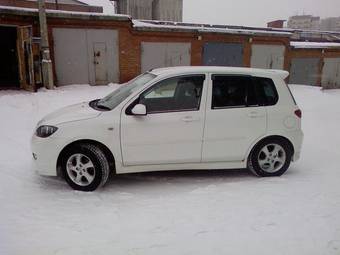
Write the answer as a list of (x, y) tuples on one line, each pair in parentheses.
[(255, 115), (189, 119)]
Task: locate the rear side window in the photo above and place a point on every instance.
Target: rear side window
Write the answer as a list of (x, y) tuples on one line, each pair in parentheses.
[(229, 91), (233, 91), (266, 91)]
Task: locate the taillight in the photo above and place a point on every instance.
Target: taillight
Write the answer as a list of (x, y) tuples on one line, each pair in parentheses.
[(298, 113)]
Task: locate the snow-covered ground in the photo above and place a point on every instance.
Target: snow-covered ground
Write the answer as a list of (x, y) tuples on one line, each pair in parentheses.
[(202, 212)]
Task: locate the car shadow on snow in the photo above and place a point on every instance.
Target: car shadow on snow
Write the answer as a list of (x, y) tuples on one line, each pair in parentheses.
[(155, 180), (179, 178), (147, 178)]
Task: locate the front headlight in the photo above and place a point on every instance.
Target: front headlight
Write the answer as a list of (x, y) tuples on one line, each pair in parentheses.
[(45, 131)]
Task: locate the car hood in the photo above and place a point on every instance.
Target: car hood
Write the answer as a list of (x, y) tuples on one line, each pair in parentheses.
[(70, 113)]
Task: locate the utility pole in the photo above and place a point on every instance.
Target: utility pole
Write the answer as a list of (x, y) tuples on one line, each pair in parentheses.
[(45, 49)]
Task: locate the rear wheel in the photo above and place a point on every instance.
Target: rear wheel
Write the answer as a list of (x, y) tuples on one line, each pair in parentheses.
[(270, 157), (85, 167)]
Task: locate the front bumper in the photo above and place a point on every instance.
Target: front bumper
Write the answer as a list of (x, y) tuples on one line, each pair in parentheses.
[(45, 152)]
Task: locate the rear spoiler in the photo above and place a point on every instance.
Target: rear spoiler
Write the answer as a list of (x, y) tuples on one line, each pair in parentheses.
[(281, 73)]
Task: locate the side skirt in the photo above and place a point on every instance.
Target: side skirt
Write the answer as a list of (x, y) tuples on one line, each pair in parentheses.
[(189, 166)]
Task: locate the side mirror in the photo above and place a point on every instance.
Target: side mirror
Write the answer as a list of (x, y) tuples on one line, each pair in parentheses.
[(139, 110)]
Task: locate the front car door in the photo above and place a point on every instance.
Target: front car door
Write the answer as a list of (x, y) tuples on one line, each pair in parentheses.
[(234, 118), (172, 130)]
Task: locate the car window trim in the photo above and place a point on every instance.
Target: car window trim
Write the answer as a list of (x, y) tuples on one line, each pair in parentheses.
[(247, 89)]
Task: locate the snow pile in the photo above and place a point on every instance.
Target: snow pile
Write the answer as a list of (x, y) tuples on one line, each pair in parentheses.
[(191, 212), (203, 28), (314, 45)]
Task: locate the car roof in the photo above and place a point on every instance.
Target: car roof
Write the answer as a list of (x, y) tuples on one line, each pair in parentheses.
[(218, 69)]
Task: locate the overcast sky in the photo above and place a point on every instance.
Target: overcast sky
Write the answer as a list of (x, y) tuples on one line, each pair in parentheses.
[(255, 12), (248, 12)]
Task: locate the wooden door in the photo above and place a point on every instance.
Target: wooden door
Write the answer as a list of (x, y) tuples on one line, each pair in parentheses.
[(25, 57)]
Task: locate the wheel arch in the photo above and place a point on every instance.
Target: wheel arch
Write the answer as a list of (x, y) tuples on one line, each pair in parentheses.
[(269, 138), (103, 147)]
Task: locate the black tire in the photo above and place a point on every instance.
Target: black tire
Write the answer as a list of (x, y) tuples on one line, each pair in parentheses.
[(100, 170), (256, 154)]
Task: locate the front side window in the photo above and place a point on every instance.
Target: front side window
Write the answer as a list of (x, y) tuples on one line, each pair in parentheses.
[(174, 94)]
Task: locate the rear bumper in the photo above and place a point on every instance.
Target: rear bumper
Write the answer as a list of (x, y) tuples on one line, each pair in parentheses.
[(296, 137)]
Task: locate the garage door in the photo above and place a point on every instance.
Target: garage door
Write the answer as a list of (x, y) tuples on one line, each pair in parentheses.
[(267, 56), (86, 56), (223, 54), (331, 73), (155, 55), (304, 71)]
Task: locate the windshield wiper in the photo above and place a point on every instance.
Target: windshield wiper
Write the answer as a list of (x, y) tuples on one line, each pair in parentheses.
[(95, 105), (101, 106)]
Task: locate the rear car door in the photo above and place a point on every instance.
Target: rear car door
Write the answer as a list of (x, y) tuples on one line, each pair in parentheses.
[(234, 118)]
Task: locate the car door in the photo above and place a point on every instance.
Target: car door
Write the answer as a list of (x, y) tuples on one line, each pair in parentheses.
[(234, 119), (172, 130)]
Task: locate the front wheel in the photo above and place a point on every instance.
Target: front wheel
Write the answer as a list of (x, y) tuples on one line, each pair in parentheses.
[(270, 157), (85, 167)]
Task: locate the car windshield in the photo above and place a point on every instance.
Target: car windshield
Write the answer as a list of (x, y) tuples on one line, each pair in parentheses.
[(125, 90)]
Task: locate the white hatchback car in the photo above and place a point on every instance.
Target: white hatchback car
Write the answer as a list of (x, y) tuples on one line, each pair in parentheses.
[(172, 119)]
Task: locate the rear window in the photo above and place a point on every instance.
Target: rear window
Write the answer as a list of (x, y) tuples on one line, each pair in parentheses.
[(266, 91)]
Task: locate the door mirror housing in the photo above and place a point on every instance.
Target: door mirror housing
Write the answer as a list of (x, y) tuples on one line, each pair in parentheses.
[(139, 110)]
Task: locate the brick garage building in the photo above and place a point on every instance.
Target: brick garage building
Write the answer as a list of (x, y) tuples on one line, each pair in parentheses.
[(97, 49), (168, 44), (24, 24), (315, 63)]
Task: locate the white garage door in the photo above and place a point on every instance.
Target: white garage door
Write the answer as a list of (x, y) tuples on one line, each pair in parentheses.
[(267, 56), (331, 73), (155, 55), (86, 56)]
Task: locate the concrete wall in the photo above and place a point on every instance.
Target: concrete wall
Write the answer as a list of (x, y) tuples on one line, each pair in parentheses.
[(168, 10), (138, 9), (330, 24)]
